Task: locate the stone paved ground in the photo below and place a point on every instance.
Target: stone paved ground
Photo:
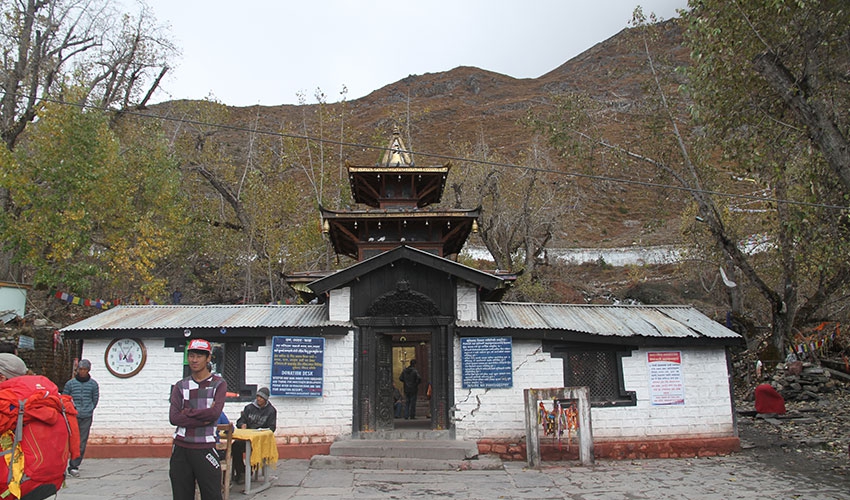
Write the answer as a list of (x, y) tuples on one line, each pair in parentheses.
[(804, 456), (733, 477)]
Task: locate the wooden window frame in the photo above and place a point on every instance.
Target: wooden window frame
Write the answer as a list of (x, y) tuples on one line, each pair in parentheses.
[(239, 345), (563, 351)]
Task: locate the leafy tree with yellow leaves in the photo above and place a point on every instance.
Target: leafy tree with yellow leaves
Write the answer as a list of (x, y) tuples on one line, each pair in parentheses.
[(90, 214)]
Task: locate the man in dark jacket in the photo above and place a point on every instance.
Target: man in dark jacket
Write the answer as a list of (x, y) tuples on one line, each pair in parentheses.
[(259, 414), (411, 379), (86, 393)]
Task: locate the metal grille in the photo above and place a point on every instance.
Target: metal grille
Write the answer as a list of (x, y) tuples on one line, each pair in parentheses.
[(231, 370), (597, 370)]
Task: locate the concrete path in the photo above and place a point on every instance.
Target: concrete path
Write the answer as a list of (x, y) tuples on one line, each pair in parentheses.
[(720, 478)]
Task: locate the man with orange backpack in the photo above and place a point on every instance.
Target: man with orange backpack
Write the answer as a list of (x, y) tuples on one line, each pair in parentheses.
[(38, 432)]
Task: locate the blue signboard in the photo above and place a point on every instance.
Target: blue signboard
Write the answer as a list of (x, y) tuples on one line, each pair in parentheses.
[(486, 362), (297, 364)]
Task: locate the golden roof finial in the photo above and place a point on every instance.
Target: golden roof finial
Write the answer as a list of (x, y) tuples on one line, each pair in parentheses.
[(397, 154)]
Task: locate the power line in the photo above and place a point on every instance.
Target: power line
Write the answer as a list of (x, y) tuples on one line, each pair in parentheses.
[(308, 138)]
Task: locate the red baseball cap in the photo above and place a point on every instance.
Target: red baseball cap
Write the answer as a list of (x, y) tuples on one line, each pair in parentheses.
[(199, 345)]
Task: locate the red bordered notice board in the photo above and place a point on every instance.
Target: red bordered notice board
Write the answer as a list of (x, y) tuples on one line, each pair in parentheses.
[(666, 382)]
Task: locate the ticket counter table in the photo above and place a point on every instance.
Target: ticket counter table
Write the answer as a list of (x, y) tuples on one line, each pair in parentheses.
[(260, 453)]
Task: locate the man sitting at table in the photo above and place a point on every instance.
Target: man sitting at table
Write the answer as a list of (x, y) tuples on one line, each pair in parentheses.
[(258, 414)]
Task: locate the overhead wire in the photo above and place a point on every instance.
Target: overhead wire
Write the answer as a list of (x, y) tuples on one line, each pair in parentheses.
[(440, 156)]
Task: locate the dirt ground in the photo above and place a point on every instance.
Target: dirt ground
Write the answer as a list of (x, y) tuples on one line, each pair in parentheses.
[(810, 443)]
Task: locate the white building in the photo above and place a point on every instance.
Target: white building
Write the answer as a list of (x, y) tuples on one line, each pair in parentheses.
[(659, 376)]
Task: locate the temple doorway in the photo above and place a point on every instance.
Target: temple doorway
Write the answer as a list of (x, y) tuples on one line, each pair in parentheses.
[(383, 351), (406, 347)]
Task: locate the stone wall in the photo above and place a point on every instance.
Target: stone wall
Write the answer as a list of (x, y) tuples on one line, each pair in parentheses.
[(53, 359), (799, 381)]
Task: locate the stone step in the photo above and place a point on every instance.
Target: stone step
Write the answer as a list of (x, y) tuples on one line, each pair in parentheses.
[(438, 449), (394, 463), (408, 434)]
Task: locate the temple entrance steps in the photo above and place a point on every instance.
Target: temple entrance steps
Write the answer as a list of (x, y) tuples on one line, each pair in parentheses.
[(409, 434), (405, 454)]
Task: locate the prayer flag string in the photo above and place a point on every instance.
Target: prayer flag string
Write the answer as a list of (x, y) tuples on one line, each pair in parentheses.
[(97, 303)]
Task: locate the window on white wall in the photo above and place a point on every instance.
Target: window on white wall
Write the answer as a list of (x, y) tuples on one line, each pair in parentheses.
[(228, 361), (598, 367)]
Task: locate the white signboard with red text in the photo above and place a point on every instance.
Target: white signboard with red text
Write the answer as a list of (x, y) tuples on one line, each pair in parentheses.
[(666, 383)]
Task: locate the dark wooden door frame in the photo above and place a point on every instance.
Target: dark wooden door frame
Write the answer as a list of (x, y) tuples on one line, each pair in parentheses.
[(372, 396)]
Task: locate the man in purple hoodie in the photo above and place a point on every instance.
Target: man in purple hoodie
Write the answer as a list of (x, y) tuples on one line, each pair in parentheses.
[(196, 404)]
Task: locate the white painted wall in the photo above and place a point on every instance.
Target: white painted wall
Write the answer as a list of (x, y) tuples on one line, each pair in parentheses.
[(467, 301), (136, 409), (499, 413), (339, 304), (329, 415), (707, 412)]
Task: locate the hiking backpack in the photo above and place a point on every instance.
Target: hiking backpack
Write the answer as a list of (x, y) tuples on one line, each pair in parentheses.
[(38, 435)]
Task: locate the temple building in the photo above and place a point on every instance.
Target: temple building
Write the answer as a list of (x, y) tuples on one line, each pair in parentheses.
[(658, 376)]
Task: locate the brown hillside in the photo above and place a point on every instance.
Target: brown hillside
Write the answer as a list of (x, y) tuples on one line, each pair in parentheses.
[(468, 104)]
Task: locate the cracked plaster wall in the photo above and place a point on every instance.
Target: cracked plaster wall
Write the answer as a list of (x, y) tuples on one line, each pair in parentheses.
[(707, 412)]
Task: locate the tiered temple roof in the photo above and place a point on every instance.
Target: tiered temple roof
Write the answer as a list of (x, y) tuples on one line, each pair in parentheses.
[(399, 196)]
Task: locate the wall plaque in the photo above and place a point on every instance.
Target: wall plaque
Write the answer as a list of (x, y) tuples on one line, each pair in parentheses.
[(297, 364), (486, 362)]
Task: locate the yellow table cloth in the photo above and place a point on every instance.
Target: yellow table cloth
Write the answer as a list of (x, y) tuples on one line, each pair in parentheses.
[(263, 446)]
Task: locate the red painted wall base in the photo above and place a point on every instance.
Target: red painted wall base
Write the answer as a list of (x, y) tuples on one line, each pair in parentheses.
[(164, 450), (551, 450)]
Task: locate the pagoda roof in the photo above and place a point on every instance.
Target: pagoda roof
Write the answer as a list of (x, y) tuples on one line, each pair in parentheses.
[(390, 213), (380, 169), (426, 184), (449, 229), (483, 279), (415, 186), (300, 282)]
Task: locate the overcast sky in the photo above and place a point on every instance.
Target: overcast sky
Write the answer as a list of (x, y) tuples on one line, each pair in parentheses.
[(264, 52)]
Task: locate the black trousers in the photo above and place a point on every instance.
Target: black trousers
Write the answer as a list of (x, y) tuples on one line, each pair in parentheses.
[(189, 466), (237, 451)]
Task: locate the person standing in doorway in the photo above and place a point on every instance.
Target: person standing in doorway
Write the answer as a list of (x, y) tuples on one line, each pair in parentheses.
[(86, 393), (411, 380), (195, 406)]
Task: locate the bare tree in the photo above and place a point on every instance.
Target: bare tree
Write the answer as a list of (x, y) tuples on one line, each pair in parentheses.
[(803, 266), (520, 204), (49, 44)]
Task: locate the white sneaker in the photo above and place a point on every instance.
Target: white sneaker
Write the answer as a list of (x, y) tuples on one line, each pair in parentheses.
[(74, 472)]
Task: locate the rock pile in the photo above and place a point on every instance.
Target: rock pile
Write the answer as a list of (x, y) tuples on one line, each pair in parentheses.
[(809, 441), (799, 381)]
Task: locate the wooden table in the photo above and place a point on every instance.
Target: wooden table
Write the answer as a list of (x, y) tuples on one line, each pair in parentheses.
[(260, 452)]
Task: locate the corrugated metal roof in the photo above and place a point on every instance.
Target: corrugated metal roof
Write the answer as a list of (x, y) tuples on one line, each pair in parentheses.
[(215, 316), (603, 320)]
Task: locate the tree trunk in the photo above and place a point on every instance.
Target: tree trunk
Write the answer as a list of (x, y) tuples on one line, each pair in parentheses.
[(822, 130), (781, 329)]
